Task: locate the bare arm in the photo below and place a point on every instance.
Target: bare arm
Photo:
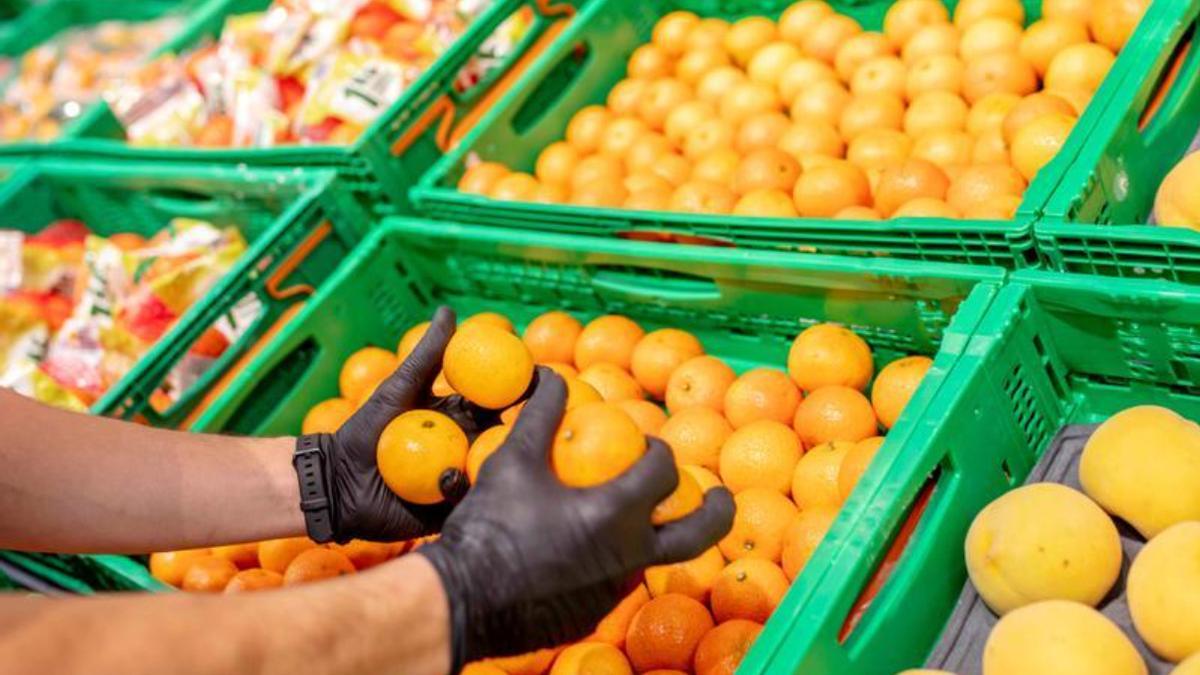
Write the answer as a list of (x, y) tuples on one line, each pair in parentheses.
[(390, 619), (76, 483)]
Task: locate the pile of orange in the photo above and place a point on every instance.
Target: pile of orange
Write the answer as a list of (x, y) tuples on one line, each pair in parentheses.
[(810, 115)]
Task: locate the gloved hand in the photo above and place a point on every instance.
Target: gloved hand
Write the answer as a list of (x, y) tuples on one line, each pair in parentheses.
[(361, 505), (528, 562)]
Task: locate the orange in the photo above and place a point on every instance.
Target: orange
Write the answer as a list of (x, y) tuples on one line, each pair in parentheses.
[(935, 111), (656, 355), (613, 627), (683, 500), (415, 449), (276, 554), (170, 566), (999, 207), (665, 631), (827, 354), (315, 565), (806, 137), (591, 658), (906, 17), (718, 166), (855, 464), (723, 648), (1081, 66), (479, 178), (824, 39), (800, 18), (661, 97), (612, 382), (761, 394), (803, 536), (1078, 98), (599, 194), (769, 62), (551, 337), (596, 442), (858, 213), (998, 72), (875, 149), (989, 148), (586, 128), (748, 99), (533, 663), (256, 579), (551, 193), (709, 33), (834, 413), (209, 574), (1039, 141), (364, 554), (761, 131), (562, 368), (686, 117), (649, 62), (815, 480), (1113, 21), (244, 556), (988, 113), (822, 101), (765, 203), (949, 149), (671, 32), (826, 189), (410, 340), (494, 319), (747, 36), (858, 50), (673, 168), (696, 63), (698, 196), (695, 436), (937, 72), (622, 99), (595, 169), (989, 35), (621, 135), (515, 187), (715, 83), (705, 478), (970, 11), (650, 146), (926, 207), (485, 445), (646, 415), (699, 382), (607, 339), (874, 111), (880, 75), (768, 168), (901, 183), (1044, 39), (647, 183), (933, 39), (693, 578), (708, 137), (364, 370), (1175, 201), (760, 455), (748, 589), (1030, 108), (977, 184), (327, 416), (761, 518), (803, 73), (489, 366)]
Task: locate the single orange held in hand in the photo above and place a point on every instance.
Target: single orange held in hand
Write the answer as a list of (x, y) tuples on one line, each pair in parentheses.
[(815, 480), (317, 564), (723, 648), (827, 354), (665, 632), (256, 579), (696, 435), (895, 385), (749, 589), (364, 370), (209, 575), (490, 367), (693, 578), (762, 454), (595, 443), (803, 536), (551, 337), (607, 339), (416, 450), (761, 517), (170, 566), (658, 354), (699, 382), (276, 554)]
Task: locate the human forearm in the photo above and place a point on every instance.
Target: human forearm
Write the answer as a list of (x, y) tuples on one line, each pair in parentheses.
[(392, 618), (79, 483)]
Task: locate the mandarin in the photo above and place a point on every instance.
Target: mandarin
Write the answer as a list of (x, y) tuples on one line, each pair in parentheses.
[(713, 86), (723, 648), (935, 111), (828, 188), (244, 556), (799, 19), (515, 187), (927, 207), (693, 578), (696, 63), (170, 566), (586, 128), (365, 370), (551, 337), (766, 169), (815, 481), (998, 72), (699, 382), (970, 11), (661, 97), (834, 413), (979, 183), (479, 178), (622, 99), (649, 62), (748, 589), (315, 565), (276, 554), (415, 451), (612, 382), (806, 137), (827, 354), (646, 415), (989, 35), (695, 436), (988, 113), (855, 463), (875, 149), (613, 627), (802, 537), (937, 72), (902, 183), (591, 658), (874, 111), (880, 75), (684, 118), (607, 339), (665, 632), (705, 478), (745, 37), (256, 579), (906, 17), (208, 575), (595, 443), (765, 203), (1044, 39), (709, 33), (671, 32), (858, 50), (949, 149), (931, 40), (759, 522), (768, 63), (760, 132), (683, 500), (822, 101), (748, 99), (327, 416), (699, 196), (1113, 21), (1082, 66), (1039, 141), (489, 366), (658, 354), (364, 554), (760, 455), (824, 39), (761, 394), (485, 445), (1030, 108)]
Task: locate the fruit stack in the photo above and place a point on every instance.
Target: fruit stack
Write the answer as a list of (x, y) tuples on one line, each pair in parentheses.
[(810, 115)]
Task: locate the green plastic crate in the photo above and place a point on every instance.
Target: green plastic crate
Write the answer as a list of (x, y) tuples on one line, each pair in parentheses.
[(77, 574), (45, 21), (589, 58), (298, 227), (1095, 222), (1052, 350), (393, 152)]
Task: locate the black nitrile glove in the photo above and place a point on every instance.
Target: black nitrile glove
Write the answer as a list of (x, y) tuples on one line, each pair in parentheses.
[(528, 562), (360, 503)]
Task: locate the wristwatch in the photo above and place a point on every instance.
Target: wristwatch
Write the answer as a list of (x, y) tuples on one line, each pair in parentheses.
[(311, 462)]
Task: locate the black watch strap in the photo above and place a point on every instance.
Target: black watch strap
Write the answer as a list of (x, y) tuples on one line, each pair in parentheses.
[(315, 501)]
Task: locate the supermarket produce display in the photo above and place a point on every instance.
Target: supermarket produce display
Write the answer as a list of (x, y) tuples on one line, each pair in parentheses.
[(899, 295)]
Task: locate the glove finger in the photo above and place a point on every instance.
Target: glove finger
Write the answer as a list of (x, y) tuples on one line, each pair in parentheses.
[(696, 532), (533, 433), (649, 480), (453, 485), (404, 389)]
